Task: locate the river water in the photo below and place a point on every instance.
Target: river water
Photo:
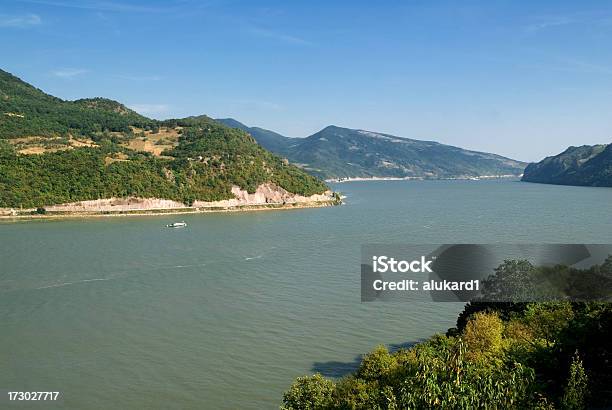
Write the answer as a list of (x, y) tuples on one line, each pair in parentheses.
[(125, 313)]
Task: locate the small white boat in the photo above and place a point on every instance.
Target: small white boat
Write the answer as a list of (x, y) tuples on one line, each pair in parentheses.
[(176, 225)]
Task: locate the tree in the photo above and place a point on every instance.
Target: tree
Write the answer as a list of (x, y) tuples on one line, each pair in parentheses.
[(483, 336), (378, 364), (512, 281), (309, 393), (576, 390)]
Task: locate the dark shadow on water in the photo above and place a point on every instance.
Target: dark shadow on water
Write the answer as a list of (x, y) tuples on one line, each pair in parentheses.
[(336, 369)]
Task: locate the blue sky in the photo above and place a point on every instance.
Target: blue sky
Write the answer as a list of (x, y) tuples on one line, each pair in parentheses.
[(522, 79)]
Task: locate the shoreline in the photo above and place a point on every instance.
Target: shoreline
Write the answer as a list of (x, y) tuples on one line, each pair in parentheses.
[(466, 178), (167, 211)]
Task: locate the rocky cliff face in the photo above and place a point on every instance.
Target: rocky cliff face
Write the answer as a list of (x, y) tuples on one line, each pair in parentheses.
[(586, 165), (266, 194)]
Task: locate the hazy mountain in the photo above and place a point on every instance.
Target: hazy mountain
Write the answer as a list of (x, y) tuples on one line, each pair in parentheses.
[(336, 152), (270, 140), (585, 165)]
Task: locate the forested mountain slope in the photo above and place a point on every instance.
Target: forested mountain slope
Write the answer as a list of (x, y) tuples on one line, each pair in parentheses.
[(586, 165), (54, 151)]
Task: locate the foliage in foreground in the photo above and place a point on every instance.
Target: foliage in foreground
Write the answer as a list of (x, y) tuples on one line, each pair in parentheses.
[(491, 364), (542, 355)]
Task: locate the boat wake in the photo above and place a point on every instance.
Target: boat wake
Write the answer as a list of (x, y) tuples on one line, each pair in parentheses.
[(59, 285), (253, 257), (184, 266)]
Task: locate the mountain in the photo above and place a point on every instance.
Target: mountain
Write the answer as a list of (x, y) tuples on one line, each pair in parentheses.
[(28, 111), (336, 152), (586, 165), (270, 140), (342, 152), (54, 151)]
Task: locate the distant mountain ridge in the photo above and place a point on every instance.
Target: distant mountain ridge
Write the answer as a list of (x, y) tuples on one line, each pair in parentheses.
[(587, 165), (336, 152), (270, 140)]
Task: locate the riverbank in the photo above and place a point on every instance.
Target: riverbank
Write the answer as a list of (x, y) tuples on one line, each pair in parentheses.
[(167, 211), (266, 197), (462, 178)]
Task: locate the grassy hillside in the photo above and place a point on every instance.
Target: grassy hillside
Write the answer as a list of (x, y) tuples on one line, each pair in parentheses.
[(54, 151)]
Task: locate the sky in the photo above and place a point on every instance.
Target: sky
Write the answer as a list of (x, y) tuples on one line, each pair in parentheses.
[(522, 79)]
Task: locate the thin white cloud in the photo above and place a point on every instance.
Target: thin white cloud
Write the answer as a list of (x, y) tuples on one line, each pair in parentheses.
[(150, 109), (568, 65), (69, 72), (285, 38), (140, 77), (22, 21), (584, 67), (113, 6), (544, 23), (259, 104), (587, 19)]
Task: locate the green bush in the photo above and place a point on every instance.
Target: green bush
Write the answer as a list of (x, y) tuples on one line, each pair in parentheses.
[(309, 393), (483, 336), (378, 364)]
